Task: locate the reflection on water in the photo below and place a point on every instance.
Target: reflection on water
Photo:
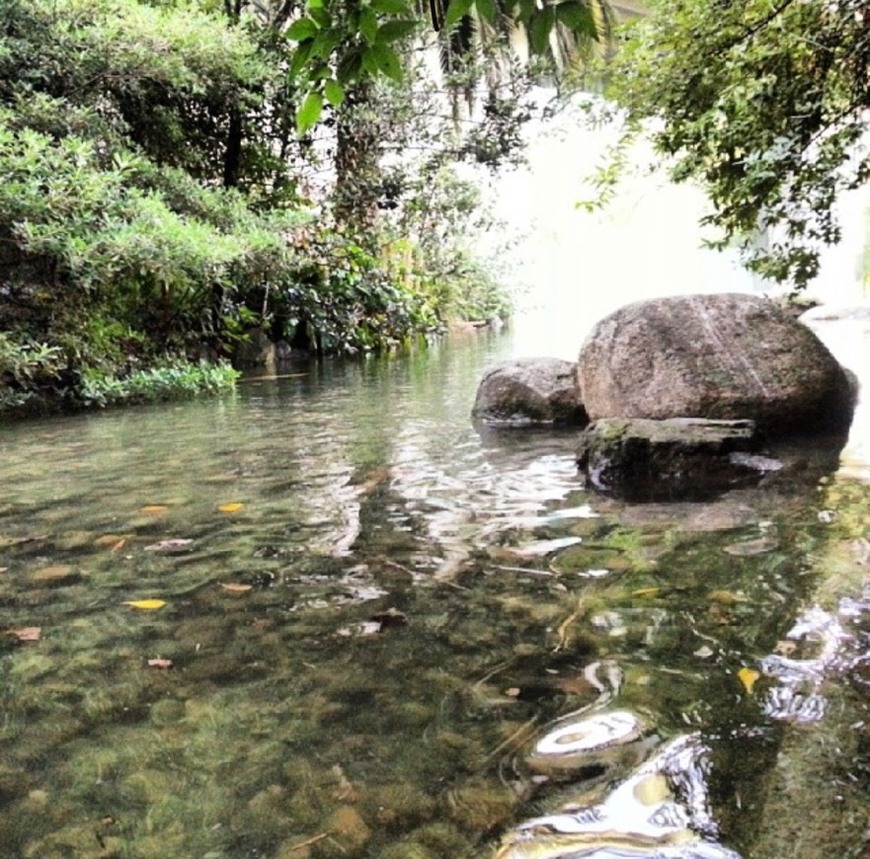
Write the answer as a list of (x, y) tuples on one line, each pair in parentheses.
[(329, 617)]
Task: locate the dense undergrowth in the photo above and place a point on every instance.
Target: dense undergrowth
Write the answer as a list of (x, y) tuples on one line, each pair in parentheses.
[(157, 203)]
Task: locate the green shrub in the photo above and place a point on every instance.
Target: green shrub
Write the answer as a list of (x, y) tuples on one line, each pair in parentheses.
[(173, 380)]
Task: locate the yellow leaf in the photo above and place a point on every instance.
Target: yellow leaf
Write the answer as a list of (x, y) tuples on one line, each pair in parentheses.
[(232, 507), (646, 592), (154, 509), (748, 677), (146, 605)]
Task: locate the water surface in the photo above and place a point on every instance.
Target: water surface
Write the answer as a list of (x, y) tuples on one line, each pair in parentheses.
[(374, 612)]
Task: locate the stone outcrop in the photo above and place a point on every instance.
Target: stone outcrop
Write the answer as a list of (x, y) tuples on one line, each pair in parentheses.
[(726, 356), (679, 459), (530, 391)]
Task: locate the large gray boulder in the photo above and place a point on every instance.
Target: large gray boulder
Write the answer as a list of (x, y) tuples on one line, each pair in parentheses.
[(725, 356), (530, 391)]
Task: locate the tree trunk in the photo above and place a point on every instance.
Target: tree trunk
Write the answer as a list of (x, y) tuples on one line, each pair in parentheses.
[(233, 150), (357, 160)]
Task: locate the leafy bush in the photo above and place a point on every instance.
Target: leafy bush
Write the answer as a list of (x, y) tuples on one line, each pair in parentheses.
[(27, 370), (173, 380)]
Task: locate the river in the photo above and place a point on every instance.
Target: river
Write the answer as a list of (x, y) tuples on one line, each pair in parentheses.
[(329, 616)]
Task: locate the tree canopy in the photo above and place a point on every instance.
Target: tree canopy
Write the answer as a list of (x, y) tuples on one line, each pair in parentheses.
[(765, 102)]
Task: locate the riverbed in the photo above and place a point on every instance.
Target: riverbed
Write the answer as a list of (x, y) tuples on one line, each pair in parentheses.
[(330, 616)]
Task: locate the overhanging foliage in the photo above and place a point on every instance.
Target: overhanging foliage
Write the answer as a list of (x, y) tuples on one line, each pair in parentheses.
[(766, 104)]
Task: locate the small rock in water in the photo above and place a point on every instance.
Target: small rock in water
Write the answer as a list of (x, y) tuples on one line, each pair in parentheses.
[(170, 547), (752, 547)]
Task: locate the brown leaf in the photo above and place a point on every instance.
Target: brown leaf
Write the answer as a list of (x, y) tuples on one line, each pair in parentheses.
[(154, 509), (160, 663), (27, 633), (236, 587), (106, 541), (119, 545)]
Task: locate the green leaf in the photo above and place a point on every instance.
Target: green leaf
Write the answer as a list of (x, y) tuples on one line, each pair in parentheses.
[(368, 26), (457, 10), (527, 11), (334, 92), (302, 29), (540, 28), (391, 7), (325, 43), (321, 17), (486, 9), (387, 61), (394, 30), (300, 58), (370, 62), (349, 67), (309, 112), (578, 18)]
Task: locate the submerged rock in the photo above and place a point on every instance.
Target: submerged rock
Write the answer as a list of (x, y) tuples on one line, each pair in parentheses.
[(594, 742), (658, 812), (723, 356), (530, 391), (682, 458)]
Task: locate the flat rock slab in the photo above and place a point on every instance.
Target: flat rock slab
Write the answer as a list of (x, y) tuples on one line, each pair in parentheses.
[(529, 392), (677, 459)]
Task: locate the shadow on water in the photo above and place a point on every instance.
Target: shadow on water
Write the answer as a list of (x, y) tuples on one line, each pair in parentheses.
[(391, 635)]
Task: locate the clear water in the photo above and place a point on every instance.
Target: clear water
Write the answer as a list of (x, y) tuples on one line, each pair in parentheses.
[(413, 606)]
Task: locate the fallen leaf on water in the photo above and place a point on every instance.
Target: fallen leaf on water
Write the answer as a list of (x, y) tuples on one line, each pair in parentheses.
[(146, 605), (119, 545), (513, 692), (170, 547), (8, 542), (236, 588), (160, 663), (646, 592), (232, 507), (27, 633), (748, 677), (3, 569), (154, 509), (57, 573), (724, 597), (107, 540)]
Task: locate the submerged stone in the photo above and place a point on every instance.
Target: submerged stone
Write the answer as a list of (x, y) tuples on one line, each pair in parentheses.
[(596, 741), (658, 812), (677, 459)]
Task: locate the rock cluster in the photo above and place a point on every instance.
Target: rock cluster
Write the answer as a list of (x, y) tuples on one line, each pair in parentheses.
[(681, 392)]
